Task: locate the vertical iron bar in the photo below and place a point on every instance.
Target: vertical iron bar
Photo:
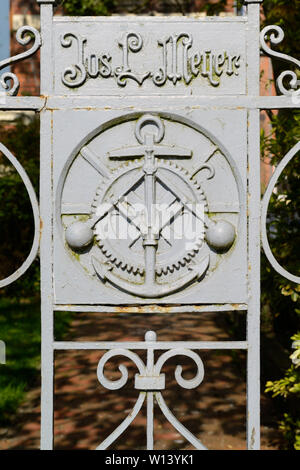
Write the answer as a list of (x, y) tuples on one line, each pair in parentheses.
[(253, 317), (150, 442), (46, 285), (47, 336), (46, 61), (150, 337)]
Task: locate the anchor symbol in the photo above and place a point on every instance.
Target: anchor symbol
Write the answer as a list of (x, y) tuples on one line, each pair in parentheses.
[(149, 132)]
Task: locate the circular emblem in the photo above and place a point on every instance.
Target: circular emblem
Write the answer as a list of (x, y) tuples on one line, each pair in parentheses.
[(145, 225)]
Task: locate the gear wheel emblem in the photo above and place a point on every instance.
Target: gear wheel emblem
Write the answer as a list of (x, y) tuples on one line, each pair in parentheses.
[(178, 241)]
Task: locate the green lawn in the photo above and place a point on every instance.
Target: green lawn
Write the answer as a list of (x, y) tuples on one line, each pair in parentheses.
[(20, 330)]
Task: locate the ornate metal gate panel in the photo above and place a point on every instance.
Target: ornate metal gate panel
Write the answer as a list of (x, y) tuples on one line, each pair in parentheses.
[(150, 185)]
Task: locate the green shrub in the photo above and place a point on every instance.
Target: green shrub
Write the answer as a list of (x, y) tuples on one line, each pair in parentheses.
[(289, 389)]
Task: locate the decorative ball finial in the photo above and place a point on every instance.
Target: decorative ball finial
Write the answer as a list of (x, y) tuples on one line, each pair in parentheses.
[(220, 235), (79, 235), (150, 336)]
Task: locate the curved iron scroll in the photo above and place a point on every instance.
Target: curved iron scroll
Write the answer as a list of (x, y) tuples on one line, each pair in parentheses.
[(24, 36), (265, 203), (35, 209), (276, 35), (150, 382)]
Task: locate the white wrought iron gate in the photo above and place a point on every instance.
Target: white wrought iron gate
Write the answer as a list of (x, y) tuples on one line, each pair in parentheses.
[(150, 126)]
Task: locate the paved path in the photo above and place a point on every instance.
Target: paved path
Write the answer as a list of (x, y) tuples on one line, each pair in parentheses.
[(86, 413)]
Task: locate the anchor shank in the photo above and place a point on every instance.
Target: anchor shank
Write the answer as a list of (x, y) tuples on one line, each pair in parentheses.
[(150, 241), (150, 247)]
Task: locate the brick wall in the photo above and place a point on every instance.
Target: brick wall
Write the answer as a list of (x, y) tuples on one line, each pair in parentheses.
[(24, 12)]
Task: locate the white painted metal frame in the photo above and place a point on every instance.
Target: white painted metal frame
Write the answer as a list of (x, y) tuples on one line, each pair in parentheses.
[(150, 381)]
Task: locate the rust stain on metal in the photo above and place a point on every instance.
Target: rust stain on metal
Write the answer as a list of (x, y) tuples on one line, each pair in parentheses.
[(252, 438), (41, 229), (144, 308)]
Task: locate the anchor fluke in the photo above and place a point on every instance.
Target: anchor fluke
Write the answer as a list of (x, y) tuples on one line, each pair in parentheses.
[(105, 272), (101, 268), (200, 268)]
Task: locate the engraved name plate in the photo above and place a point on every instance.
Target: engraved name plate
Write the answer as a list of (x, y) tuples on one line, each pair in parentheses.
[(149, 56)]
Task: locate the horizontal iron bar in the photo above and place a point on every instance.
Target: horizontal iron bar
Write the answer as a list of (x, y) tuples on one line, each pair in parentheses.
[(22, 103), (100, 102), (157, 345), (149, 308), (194, 17), (194, 102)]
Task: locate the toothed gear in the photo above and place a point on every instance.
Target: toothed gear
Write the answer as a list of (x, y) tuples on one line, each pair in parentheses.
[(131, 259)]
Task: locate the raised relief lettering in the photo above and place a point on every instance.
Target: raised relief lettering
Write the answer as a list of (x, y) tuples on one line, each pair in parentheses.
[(132, 42), (98, 66), (75, 75), (187, 44), (160, 77), (179, 62)]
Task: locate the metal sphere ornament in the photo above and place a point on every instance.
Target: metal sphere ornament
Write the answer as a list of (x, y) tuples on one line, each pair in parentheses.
[(79, 235), (220, 235)]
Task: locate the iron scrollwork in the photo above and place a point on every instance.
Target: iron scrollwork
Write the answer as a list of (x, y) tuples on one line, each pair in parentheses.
[(24, 36), (150, 382), (276, 35)]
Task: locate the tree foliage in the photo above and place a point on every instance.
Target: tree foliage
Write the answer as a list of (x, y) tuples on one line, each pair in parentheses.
[(108, 7), (288, 388), (88, 7)]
